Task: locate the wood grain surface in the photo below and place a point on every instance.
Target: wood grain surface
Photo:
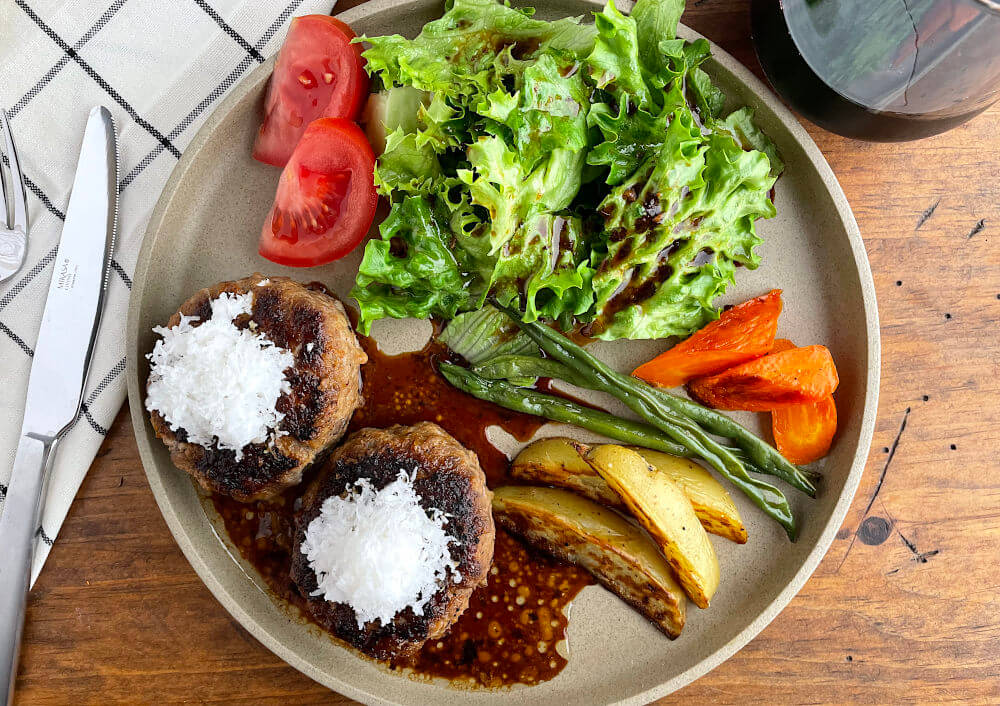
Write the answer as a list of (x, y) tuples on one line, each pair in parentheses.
[(904, 608)]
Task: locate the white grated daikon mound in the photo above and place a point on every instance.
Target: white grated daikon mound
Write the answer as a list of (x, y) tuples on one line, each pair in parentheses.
[(378, 551), (216, 381)]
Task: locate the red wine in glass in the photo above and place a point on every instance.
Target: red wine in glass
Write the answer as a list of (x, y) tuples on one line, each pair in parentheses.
[(884, 70)]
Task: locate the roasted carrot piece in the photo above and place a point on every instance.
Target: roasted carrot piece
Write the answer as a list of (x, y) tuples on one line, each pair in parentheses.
[(779, 379), (740, 334), (804, 432)]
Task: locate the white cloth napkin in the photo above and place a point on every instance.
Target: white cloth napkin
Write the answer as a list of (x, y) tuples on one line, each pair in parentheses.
[(161, 67)]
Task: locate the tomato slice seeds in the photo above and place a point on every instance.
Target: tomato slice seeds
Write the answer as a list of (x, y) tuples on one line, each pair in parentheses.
[(326, 198)]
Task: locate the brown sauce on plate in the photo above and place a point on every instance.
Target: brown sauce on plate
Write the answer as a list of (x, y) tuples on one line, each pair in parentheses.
[(511, 629), (406, 389)]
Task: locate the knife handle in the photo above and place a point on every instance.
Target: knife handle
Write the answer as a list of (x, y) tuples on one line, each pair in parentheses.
[(18, 525)]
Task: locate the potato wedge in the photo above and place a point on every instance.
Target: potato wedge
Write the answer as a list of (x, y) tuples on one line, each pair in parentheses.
[(662, 508), (618, 554), (559, 461), (711, 502)]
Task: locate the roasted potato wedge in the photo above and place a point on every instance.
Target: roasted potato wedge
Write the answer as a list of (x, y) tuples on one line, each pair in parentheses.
[(663, 510), (559, 461), (618, 554), (711, 502)]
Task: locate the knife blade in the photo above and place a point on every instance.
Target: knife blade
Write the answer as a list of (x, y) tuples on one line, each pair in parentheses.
[(59, 368), (79, 277)]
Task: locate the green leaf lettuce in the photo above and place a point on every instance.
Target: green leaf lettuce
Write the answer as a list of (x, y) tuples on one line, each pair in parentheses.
[(584, 174)]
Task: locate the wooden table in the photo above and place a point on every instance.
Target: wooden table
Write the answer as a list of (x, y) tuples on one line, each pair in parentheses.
[(905, 606)]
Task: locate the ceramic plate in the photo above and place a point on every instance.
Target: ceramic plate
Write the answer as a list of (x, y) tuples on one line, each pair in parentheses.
[(204, 230)]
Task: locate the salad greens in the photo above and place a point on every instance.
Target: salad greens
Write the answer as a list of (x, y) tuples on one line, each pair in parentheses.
[(411, 271), (579, 173)]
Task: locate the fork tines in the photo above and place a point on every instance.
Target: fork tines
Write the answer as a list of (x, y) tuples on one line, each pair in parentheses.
[(14, 222)]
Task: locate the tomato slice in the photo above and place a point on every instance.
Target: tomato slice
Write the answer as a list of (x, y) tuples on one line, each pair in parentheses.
[(326, 197), (318, 74)]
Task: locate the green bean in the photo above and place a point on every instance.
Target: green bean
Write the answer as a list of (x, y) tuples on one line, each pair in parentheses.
[(764, 495), (514, 368), (765, 456), (644, 401), (759, 457), (559, 410)]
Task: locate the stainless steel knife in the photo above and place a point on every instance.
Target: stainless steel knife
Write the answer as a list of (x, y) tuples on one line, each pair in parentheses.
[(59, 369)]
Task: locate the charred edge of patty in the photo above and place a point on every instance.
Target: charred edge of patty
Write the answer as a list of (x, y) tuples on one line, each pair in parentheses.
[(295, 330), (259, 466), (440, 488), (293, 318)]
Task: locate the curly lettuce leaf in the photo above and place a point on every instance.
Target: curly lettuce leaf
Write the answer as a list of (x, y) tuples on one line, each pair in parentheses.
[(708, 97), (676, 231), (634, 133), (614, 65), (405, 165), (539, 258), (630, 137), (544, 270), (410, 271), (501, 184), (740, 126), (678, 60), (455, 54), (547, 111), (655, 20)]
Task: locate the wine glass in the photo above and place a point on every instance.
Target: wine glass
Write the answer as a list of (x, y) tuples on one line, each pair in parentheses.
[(881, 69)]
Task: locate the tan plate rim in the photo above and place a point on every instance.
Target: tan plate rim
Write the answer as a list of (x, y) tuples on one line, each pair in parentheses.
[(826, 537)]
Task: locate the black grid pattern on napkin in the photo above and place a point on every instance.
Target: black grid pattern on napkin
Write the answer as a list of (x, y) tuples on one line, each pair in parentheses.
[(164, 142), (9, 291)]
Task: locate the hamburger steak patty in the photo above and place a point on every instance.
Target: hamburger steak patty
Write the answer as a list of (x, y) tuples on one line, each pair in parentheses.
[(325, 388), (448, 478)]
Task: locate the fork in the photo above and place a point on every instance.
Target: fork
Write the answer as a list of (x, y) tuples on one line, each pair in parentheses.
[(14, 225)]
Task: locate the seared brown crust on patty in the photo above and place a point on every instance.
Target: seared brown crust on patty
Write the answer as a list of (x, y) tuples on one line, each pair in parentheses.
[(448, 478), (325, 388)]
